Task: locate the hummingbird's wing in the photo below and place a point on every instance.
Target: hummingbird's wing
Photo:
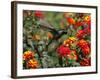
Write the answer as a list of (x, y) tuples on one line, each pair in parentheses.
[(46, 25)]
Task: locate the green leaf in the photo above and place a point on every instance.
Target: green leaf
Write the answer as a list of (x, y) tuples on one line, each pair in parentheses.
[(70, 61), (64, 61), (79, 28), (40, 48), (61, 61)]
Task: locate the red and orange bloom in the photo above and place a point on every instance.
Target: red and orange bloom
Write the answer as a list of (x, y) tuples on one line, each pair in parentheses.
[(39, 14), (32, 64), (63, 50), (71, 21), (28, 55), (50, 35), (72, 56), (87, 30), (86, 50), (82, 43), (85, 47), (87, 18), (78, 24), (69, 41), (80, 34), (85, 62)]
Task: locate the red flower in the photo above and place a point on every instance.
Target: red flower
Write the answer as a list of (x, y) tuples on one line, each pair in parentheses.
[(87, 30), (86, 50), (71, 20), (82, 43), (78, 24), (85, 62), (80, 34), (85, 46), (63, 50), (38, 14)]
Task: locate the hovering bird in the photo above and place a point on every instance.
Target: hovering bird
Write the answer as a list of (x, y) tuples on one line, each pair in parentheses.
[(57, 33)]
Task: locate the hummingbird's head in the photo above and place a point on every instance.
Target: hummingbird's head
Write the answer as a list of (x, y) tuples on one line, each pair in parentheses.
[(63, 31)]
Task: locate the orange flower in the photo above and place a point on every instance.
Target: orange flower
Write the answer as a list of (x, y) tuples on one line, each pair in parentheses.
[(36, 37), (69, 41), (71, 20), (50, 35), (87, 18), (82, 43), (86, 50), (85, 47), (28, 55), (32, 64), (72, 55)]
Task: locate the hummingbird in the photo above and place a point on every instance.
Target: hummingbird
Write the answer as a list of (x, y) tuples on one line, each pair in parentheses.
[(57, 33)]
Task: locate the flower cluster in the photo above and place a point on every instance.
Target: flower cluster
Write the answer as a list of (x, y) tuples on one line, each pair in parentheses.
[(63, 50), (79, 41), (30, 61), (83, 33), (39, 14), (70, 41), (85, 62), (85, 46), (28, 55), (70, 20)]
